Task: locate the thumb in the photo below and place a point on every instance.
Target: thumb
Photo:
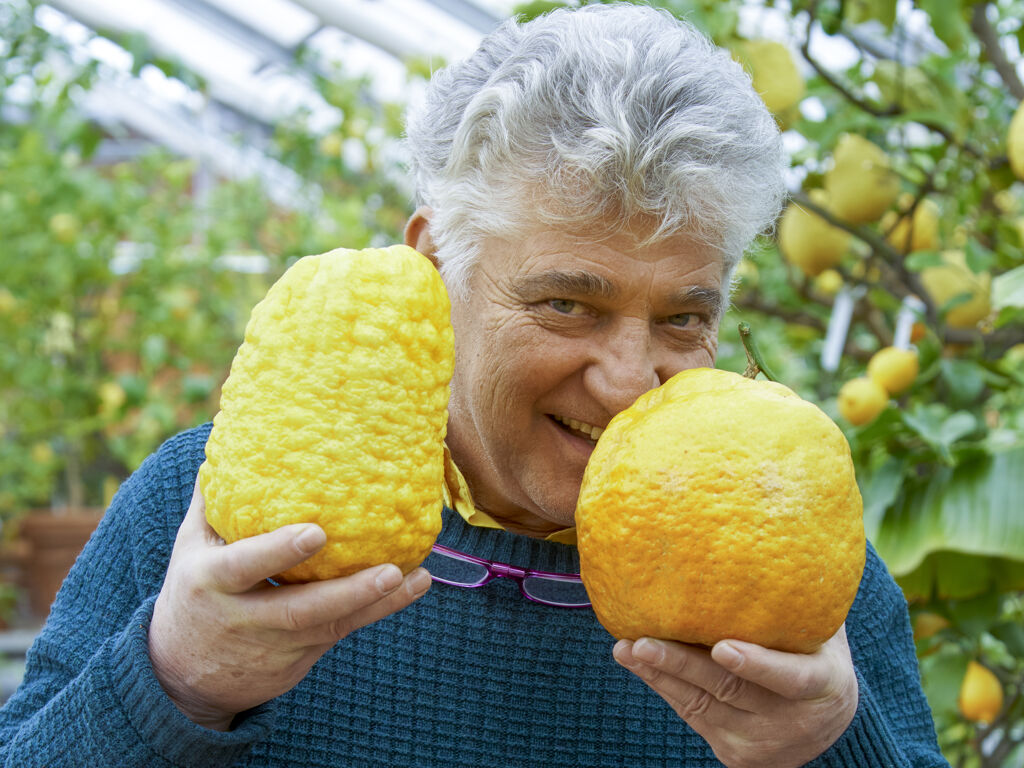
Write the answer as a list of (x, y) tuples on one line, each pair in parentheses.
[(239, 566)]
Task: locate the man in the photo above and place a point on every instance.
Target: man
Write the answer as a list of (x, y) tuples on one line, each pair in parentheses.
[(587, 183)]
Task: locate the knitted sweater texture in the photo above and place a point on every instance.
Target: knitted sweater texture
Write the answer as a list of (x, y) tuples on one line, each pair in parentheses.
[(463, 677)]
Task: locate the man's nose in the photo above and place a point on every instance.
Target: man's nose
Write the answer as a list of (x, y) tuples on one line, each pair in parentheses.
[(623, 367)]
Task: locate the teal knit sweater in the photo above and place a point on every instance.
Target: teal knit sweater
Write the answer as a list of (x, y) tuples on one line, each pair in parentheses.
[(462, 677)]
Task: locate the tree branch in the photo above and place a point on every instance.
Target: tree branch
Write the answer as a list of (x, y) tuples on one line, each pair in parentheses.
[(989, 40), (887, 110), (911, 281)]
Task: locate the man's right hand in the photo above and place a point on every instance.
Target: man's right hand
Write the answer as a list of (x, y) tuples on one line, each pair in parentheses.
[(223, 640)]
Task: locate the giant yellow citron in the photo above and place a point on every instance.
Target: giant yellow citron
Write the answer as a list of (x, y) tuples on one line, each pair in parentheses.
[(721, 507), (335, 412)]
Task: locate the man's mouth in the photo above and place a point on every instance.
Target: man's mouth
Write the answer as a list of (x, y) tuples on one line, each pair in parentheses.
[(579, 429)]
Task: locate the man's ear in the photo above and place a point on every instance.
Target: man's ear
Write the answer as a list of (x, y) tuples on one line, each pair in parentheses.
[(417, 233)]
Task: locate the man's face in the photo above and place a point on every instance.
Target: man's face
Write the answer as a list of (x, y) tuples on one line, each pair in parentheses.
[(555, 337)]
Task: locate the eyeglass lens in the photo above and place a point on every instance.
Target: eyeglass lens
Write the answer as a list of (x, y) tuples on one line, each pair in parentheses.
[(452, 570), (455, 571)]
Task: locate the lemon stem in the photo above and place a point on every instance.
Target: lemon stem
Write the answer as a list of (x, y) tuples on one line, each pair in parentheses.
[(755, 361)]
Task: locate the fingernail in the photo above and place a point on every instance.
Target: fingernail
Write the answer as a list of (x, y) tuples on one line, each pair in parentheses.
[(388, 578), (419, 581), (648, 651), (619, 652), (726, 655), (310, 539)]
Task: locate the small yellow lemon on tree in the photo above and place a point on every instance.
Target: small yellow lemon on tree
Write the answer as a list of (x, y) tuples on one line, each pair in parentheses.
[(774, 73), (893, 368), (1015, 142), (808, 241), (861, 400), (964, 294), (860, 184), (735, 493), (981, 694), (918, 231), (335, 412)]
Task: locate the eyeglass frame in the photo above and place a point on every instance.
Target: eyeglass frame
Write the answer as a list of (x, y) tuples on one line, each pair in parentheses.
[(499, 570)]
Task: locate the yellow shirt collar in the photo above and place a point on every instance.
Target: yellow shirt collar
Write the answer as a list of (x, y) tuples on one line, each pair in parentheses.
[(457, 497)]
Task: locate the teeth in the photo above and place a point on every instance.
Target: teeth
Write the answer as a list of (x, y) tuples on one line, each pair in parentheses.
[(588, 429)]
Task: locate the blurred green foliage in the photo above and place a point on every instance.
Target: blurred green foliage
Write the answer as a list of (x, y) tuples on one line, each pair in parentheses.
[(125, 288)]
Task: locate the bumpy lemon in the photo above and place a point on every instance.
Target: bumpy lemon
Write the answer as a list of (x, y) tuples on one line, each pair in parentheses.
[(860, 183), (981, 694), (861, 400), (335, 412), (808, 241), (893, 368), (721, 507)]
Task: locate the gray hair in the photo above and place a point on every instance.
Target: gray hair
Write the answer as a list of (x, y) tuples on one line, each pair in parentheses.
[(592, 120)]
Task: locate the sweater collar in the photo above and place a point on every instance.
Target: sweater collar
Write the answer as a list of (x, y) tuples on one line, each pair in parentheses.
[(507, 547)]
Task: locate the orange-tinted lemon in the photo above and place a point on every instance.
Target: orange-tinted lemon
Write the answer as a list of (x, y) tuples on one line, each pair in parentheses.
[(721, 507), (335, 412), (981, 694)]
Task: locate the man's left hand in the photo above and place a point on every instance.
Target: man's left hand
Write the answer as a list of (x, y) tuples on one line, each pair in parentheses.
[(754, 706)]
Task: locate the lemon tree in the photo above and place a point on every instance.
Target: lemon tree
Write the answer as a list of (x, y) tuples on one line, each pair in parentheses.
[(906, 221), (123, 296)]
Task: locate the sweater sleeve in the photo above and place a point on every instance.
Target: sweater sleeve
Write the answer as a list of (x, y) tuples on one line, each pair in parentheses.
[(89, 692), (893, 726)]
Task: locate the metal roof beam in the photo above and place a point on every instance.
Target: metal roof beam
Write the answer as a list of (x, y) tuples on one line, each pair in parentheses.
[(234, 28), (469, 14)]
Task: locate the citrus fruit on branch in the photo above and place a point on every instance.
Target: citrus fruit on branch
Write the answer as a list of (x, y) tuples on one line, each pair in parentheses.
[(861, 400), (717, 506), (894, 369), (335, 412), (981, 694)]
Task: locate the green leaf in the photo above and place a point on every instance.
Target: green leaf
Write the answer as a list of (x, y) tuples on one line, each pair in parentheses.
[(941, 676), (965, 379), (1011, 634), (938, 428), (860, 11), (1008, 289), (921, 260), (976, 615), (971, 509), (880, 492), (947, 21)]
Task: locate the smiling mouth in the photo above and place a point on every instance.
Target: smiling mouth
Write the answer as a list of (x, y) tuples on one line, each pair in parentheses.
[(580, 429)]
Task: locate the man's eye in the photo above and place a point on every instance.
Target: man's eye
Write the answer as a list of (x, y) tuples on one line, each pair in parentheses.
[(683, 320), (566, 306)]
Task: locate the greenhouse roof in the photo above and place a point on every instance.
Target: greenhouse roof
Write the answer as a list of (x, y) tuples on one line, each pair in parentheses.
[(245, 53)]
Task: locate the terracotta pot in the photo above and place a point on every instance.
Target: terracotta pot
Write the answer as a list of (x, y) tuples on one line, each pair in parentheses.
[(54, 541)]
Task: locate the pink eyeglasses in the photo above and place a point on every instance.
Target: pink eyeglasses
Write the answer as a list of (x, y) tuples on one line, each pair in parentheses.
[(562, 590)]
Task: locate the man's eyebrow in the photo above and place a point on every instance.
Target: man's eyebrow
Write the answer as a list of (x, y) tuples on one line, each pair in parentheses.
[(707, 299), (556, 283)]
